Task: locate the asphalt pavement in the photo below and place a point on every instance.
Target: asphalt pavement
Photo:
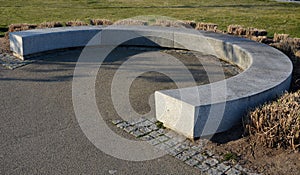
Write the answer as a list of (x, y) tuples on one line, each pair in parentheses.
[(40, 133)]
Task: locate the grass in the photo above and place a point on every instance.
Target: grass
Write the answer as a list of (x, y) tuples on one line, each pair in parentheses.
[(160, 125), (230, 156), (266, 14)]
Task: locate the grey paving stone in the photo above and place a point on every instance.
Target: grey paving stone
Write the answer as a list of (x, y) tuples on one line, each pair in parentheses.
[(153, 127), (174, 152), (162, 138), (209, 153), (217, 157), (135, 127), (182, 157), (222, 167), (161, 131), (185, 145), (146, 138), (228, 163), (145, 123), (154, 134), (115, 122), (153, 120), (233, 171), (180, 147), (203, 167), (188, 143), (214, 171), (179, 138), (137, 133), (192, 162), (123, 125), (129, 129), (172, 134), (185, 155), (145, 130), (244, 170), (239, 167), (190, 152), (197, 147), (135, 121), (162, 146), (172, 142), (199, 157), (153, 142), (211, 162)]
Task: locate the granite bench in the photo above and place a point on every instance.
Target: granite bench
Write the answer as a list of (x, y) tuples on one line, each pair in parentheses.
[(192, 111)]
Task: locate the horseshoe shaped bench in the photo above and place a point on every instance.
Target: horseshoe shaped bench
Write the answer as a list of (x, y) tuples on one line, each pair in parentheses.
[(193, 111)]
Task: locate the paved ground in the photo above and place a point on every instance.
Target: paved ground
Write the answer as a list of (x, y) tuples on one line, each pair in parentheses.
[(39, 133)]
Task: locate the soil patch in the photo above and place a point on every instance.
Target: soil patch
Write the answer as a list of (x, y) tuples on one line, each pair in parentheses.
[(4, 45), (253, 156)]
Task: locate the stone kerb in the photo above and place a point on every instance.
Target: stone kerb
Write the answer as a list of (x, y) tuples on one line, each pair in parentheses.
[(267, 71)]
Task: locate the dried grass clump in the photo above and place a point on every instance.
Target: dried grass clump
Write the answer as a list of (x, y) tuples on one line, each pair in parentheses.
[(172, 23), (19, 27), (247, 32), (134, 22), (277, 124), (76, 23), (280, 37), (261, 39), (100, 22), (193, 24), (256, 32), (290, 46), (207, 26), (236, 30), (297, 54), (50, 24)]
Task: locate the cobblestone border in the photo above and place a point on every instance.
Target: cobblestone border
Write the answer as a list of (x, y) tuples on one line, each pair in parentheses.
[(192, 153), (11, 62)]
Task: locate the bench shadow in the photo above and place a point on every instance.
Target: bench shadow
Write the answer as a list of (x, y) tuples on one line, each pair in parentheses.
[(235, 133)]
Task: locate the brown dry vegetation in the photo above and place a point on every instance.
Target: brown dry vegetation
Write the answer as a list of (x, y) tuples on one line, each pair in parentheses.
[(277, 124), (100, 22)]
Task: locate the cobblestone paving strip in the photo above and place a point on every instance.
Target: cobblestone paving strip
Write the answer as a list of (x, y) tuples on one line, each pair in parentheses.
[(192, 153), (11, 62)]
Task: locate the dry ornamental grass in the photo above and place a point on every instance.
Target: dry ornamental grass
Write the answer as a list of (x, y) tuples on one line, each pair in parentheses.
[(277, 124)]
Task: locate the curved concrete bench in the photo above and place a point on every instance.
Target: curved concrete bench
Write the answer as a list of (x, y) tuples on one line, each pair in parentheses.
[(193, 111)]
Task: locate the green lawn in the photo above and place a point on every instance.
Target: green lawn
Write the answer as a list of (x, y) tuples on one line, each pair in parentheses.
[(270, 15)]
